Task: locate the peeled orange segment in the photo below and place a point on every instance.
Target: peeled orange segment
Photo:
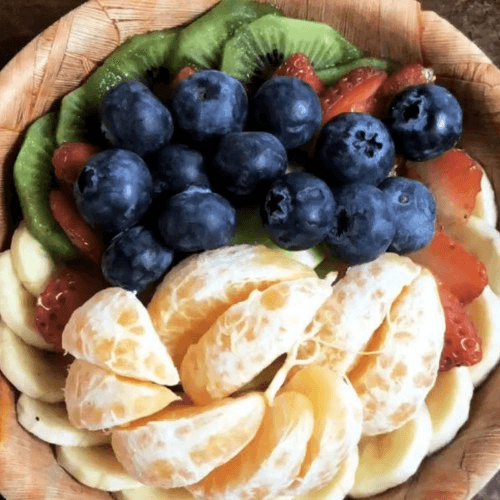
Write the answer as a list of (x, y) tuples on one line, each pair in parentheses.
[(95, 467), (32, 263), (394, 380), (154, 493), (180, 445), (483, 241), (200, 288), (17, 305), (97, 398), (485, 207), (338, 421), (50, 423), (449, 404), (113, 330), (356, 308), (249, 336), (339, 487), (483, 311), (270, 463), (39, 374), (390, 459)]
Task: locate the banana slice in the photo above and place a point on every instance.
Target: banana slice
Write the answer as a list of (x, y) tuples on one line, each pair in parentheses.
[(390, 459), (483, 311), (39, 374), (17, 305), (50, 423), (33, 265), (154, 493), (483, 241), (449, 404), (485, 207), (96, 467)]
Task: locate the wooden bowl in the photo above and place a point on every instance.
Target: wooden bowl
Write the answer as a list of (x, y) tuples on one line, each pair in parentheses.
[(60, 58)]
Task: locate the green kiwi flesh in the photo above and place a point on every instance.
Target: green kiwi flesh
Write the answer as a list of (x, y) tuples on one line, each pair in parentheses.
[(269, 35), (200, 44)]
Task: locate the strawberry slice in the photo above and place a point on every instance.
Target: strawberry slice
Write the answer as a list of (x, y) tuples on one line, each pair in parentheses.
[(455, 179), (410, 74), (462, 346), (65, 292), (355, 91), (453, 265), (79, 232), (69, 159), (300, 66), (183, 73)]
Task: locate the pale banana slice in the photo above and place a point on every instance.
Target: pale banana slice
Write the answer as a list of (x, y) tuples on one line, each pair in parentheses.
[(154, 493), (97, 398), (39, 374), (50, 423), (449, 404), (483, 311), (17, 305), (95, 467), (390, 459), (483, 241), (33, 265), (486, 207)]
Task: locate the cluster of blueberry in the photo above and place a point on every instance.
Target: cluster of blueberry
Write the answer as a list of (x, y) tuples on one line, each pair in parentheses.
[(181, 171)]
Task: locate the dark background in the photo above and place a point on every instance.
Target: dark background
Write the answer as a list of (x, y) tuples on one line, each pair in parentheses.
[(21, 20)]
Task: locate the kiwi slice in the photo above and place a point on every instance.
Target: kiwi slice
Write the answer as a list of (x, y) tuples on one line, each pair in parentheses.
[(331, 75), (201, 42), (276, 38), (251, 232), (136, 58)]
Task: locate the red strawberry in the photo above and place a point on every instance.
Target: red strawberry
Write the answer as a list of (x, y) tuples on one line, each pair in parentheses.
[(83, 237), (455, 179), (410, 74), (300, 66), (453, 265), (355, 91), (69, 159), (64, 293), (462, 346)]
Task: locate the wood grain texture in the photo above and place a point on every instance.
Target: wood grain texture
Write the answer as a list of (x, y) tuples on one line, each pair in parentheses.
[(61, 58)]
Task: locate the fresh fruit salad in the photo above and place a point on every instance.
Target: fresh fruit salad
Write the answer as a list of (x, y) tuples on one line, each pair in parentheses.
[(253, 263)]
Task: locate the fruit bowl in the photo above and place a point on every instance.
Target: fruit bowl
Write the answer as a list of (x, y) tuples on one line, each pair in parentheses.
[(60, 59)]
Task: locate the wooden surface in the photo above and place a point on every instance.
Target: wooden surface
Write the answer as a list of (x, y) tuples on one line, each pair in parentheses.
[(391, 28)]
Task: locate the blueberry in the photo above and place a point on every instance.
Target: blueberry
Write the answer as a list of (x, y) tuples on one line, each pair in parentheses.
[(179, 167), (133, 118), (354, 147), (135, 259), (414, 210), (114, 190), (425, 121), (364, 227), (197, 219), (209, 104), (288, 108), (246, 163), (298, 211)]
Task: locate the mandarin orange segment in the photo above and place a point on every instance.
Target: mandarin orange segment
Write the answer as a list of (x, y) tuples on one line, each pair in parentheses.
[(180, 445), (113, 330), (249, 336), (337, 425), (270, 463), (202, 287), (356, 308), (394, 379), (96, 398)]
